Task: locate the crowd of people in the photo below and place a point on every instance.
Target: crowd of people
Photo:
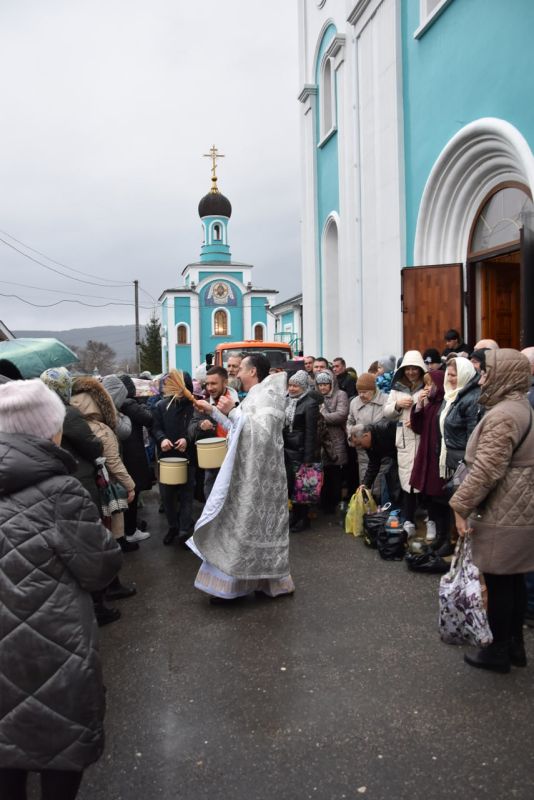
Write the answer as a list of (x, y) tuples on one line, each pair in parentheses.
[(77, 452)]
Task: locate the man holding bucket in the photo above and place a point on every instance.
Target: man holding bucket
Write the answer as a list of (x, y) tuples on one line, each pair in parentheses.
[(242, 536), (202, 428)]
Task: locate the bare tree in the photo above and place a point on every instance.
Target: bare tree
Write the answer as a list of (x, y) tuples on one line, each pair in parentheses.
[(97, 356)]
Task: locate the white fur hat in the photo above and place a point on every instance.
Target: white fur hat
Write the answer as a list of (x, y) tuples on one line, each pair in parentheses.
[(30, 407)]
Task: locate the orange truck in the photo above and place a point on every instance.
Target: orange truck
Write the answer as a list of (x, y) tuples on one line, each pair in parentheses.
[(280, 350)]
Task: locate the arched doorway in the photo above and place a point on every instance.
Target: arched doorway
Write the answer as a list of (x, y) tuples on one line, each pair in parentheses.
[(494, 265), (474, 242)]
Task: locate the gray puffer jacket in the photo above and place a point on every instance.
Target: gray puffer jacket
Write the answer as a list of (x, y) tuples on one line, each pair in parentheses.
[(53, 552)]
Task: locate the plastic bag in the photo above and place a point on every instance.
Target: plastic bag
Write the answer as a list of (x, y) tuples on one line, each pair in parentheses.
[(374, 523), (462, 616), (362, 502)]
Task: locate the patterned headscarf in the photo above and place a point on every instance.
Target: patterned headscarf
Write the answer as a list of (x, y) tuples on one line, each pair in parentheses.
[(323, 377), (300, 378), (59, 380)]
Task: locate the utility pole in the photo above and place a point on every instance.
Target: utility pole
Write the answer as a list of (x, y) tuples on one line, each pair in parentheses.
[(137, 339)]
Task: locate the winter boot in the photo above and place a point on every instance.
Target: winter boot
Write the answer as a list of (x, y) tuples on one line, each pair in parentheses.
[(495, 657), (119, 591)]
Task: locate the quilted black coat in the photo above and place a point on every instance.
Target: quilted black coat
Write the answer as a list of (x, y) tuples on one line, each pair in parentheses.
[(53, 552)]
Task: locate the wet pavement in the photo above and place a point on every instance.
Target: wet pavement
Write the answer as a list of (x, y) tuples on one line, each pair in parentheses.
[(342, 691)]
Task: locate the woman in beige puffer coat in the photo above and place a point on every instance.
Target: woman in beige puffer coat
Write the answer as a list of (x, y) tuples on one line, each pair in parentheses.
[(406, 386), (495, 503)]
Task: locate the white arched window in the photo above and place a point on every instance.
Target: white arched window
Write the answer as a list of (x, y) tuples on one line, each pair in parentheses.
[(259, 332), (217, 232), (327, 96), (220, 320), (182, 333)]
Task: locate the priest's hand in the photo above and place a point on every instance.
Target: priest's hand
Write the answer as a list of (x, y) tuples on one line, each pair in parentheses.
[(225, 404)]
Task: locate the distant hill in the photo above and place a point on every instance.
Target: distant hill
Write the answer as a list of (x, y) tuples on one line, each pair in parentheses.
[(120, 338)]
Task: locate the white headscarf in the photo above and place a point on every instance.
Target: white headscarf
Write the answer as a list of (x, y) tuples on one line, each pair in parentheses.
[(464, 371)]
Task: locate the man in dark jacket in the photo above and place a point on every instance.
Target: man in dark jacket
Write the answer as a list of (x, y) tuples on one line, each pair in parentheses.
[(170, 430), (55, 551), (344, 380), (379, 441), (202, 427), (455, 344)]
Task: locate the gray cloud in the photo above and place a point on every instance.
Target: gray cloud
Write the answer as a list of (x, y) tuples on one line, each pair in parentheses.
[(108, 106)]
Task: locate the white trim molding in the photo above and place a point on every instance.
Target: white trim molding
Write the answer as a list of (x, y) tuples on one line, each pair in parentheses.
[(427, 18), (478, 158)]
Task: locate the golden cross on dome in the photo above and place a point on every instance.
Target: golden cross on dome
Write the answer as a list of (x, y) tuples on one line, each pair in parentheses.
[(214, 155)]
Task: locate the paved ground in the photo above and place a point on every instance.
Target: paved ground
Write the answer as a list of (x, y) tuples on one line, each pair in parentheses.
[(342, 691)]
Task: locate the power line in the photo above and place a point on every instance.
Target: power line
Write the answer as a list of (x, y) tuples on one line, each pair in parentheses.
[(58, 263), (61, 291), (79, 302), (69, 277)]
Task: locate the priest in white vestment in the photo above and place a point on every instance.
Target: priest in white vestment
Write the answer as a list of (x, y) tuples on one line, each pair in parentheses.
[(242, 536)]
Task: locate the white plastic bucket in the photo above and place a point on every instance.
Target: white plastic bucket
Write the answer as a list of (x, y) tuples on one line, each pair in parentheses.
[(211, 452), (173, 471)]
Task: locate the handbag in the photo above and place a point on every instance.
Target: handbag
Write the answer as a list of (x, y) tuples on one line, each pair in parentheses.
[(462, 615), (458, 477), (308, 484), (113, 496), (362, 502)]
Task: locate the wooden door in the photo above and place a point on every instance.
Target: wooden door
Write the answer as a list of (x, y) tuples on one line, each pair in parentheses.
[(500, 295), (526, 335), (431, 303)]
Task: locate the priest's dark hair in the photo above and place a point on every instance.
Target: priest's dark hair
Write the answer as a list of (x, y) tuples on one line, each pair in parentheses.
[(261, 363)]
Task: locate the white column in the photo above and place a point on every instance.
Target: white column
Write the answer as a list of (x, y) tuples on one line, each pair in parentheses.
[(311, 297), (195, 331), (171, 331)]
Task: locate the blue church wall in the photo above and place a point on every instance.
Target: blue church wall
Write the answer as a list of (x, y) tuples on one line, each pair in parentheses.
[(288, 319), (327, 153), (470, 63), (183, 357), (182, 310), (207, 340), (182, 313), (258, 310)]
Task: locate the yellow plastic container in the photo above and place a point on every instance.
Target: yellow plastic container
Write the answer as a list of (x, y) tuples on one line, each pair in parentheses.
[(173, 471), (211, 452)]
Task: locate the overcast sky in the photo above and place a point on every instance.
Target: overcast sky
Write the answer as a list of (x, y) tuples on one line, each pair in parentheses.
[(107, 108)]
